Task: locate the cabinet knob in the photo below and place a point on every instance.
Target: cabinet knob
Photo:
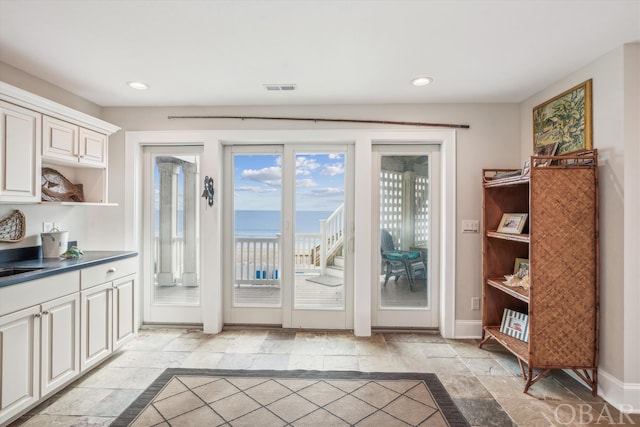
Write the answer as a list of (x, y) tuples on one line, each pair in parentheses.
[(45, 312), (112, 270), (37, 315)]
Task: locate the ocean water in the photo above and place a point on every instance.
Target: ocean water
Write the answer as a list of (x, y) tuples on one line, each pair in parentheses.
[(252, 223), (260, 223)]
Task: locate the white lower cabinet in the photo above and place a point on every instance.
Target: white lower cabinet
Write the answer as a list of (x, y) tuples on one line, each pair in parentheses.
[(107, 319), (20, 362), (40, 349), (88, 314), (96, 325), (123, 304), (60, 339)]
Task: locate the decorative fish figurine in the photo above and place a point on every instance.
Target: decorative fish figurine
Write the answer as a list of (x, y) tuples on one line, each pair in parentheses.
[(57, 188), (73, 252)]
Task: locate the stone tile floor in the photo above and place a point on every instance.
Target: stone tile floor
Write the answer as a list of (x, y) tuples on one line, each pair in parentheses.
[(485, 383)]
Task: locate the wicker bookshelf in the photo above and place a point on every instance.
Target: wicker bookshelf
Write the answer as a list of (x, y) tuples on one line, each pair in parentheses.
[(561, 242)]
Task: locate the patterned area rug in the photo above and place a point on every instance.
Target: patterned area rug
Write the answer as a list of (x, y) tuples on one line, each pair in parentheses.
[(208, 397)]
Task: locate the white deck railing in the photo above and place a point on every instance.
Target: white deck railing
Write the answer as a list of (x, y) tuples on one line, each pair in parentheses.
[(258, 258), (332, 236), (307, 254)]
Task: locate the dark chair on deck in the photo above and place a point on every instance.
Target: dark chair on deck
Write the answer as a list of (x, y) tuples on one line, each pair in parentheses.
[(398, 262)]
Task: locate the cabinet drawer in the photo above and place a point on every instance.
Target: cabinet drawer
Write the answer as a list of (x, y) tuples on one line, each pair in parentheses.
[(34, 292), (92, 276)]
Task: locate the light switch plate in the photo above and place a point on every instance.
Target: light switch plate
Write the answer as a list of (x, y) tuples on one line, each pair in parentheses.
[(470, 226)]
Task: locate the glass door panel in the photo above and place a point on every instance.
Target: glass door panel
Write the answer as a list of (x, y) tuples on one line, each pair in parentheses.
[(404, 216), (257, 201), (407, 235), (173, 290), (319, 231)]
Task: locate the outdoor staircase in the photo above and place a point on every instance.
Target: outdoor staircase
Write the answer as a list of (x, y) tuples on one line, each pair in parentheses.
[(337, 268)]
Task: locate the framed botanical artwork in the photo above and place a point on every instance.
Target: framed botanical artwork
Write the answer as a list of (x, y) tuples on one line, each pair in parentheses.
[(512, 223), (566, 120), (515, 324), (521, 267)]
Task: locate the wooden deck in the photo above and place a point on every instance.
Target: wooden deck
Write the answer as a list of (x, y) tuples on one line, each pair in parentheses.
[(308, 295)]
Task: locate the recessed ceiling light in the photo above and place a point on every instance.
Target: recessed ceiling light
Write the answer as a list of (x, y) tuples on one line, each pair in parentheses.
[(421, 81), (138, 85)]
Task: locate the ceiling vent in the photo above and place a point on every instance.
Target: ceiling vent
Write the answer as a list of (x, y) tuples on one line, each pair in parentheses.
[(280, 87)]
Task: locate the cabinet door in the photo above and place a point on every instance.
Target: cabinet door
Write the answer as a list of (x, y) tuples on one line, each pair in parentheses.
[(20, 138), (123, 307), (59, 140), (19, 361), (95, 325), (60, 342), (93, 148)]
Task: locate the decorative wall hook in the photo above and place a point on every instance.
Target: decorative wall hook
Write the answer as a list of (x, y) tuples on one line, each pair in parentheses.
[(208, 190)]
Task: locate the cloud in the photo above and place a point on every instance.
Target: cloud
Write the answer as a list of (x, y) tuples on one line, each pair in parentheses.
[(305, 165), (252, 189), (335, 156), (328, 191), (332, 170), (270, 176), (307, 182)]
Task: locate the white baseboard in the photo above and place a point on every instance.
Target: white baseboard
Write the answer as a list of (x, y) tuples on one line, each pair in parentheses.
[(468, 329), (624, 396)]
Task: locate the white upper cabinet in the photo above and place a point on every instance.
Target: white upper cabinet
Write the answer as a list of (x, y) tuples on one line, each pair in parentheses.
[(59, 140), (19, 154), (66, 142), (36, 133), (93, 148)]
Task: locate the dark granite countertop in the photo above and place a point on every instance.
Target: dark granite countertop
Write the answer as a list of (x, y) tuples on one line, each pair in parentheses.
[(50, 266)]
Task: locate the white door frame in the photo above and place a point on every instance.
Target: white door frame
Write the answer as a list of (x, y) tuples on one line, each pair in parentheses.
[(363, 244)]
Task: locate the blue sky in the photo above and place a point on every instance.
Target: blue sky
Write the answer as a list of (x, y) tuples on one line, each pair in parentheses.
[(319, 181)]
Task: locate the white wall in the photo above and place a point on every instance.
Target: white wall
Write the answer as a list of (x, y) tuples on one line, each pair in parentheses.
[(615, 134)]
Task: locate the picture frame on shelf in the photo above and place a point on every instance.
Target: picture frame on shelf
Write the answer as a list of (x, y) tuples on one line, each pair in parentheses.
[(565, 119), (526, 168), (512, 223), (515, 324), (582, 158), (545, 150), (521, 267)]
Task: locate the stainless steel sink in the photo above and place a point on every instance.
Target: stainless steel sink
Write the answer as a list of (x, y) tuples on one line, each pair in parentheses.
[(4, 272)]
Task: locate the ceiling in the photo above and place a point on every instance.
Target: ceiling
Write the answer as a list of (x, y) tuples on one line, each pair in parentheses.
[(207, 52)]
